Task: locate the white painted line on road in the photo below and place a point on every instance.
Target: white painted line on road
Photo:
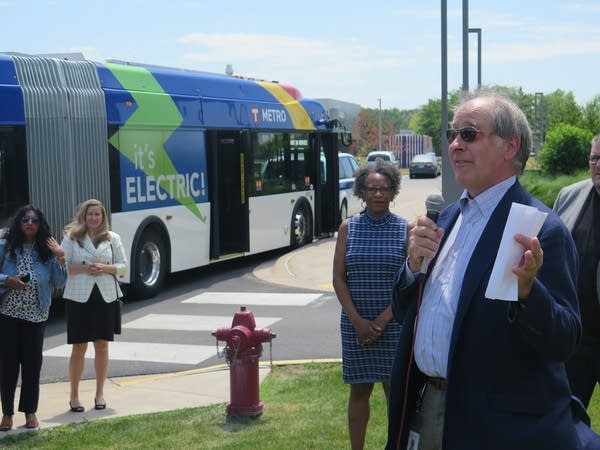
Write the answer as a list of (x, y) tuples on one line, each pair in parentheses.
[(145, 351), (190, 322), (254, 298)]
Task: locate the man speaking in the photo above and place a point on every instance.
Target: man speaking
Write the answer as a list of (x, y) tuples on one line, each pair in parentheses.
[(473, 372)]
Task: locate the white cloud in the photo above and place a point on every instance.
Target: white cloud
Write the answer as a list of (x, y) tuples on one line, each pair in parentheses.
[(509, 53)]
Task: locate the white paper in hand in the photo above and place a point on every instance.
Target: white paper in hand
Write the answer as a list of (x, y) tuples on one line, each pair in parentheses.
[(522, 219)]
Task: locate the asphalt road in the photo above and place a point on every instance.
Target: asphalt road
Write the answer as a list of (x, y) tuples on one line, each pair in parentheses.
[(172, 332)]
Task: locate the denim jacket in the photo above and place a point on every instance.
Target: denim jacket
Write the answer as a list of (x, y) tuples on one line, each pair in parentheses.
[(49, 275)]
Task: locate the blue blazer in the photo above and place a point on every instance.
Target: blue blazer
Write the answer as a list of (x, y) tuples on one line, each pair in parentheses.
[(507, 385)]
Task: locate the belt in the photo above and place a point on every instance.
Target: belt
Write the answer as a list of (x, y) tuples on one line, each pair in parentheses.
[(438, 383)]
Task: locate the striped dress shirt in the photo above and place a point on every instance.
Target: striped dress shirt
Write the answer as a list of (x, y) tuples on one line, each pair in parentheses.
[(442, 288)]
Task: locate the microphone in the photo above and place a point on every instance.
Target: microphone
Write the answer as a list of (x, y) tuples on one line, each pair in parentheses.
[(434, 203)]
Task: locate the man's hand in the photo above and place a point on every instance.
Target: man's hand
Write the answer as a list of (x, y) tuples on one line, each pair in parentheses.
[(423, 242), (530, 264)]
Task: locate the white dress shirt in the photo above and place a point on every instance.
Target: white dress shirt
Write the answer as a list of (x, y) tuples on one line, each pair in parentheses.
[(442, 288)]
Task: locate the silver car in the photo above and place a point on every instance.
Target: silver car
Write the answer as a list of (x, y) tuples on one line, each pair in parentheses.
[(349, 203), (424, 165), (384, 155)]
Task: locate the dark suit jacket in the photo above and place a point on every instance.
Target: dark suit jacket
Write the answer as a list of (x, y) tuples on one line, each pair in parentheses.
[(569, 205), (507, 386)]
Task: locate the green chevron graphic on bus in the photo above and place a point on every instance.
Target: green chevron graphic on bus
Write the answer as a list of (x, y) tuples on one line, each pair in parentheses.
[(152, 180)]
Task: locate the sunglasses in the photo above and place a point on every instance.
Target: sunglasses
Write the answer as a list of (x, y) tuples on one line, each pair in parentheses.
[(467, 134), (32, 219)]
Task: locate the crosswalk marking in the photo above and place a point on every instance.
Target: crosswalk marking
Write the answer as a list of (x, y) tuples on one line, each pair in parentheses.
[(190, 354), (143, 351), (190, 322), (254, 298)]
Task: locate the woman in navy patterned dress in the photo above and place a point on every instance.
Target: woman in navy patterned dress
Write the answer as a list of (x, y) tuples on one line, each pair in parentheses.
[(370, 249)]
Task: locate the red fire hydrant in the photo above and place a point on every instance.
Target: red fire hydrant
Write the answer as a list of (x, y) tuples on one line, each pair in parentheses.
[(243, 349)]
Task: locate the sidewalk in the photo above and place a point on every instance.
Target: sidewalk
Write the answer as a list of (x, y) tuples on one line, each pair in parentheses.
[(309, 267), (133, 395)]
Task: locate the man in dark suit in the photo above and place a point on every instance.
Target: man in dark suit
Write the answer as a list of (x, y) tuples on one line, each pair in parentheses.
[(578, 205), (473, 373)]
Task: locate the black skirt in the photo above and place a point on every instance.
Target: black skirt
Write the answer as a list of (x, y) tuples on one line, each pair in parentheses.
[(90, 321)]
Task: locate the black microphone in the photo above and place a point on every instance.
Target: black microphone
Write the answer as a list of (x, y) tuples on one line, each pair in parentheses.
[(434, 203)]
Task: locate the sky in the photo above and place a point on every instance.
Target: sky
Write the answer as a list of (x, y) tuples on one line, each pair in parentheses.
[(378, 51)]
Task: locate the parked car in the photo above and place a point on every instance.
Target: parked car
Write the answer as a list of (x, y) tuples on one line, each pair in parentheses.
[(425, 164), (349, 203), (380, 154)]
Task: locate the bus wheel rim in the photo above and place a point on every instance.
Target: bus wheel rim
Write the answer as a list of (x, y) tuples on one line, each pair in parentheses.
[(149, 264)]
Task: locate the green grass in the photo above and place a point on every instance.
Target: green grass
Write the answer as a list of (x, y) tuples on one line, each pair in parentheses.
[(305, 407), (546, 187)]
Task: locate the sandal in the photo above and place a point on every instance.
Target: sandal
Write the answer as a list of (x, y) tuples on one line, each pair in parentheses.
[(31, 421), (99, 405), (77, 409), (6, 423)]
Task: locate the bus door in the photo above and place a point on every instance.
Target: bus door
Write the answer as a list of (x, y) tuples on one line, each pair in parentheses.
[(229, 204), (14, 185), (326, 184)]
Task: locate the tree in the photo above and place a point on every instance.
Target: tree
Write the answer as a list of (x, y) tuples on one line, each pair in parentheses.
[(428, 120), (365, 132), (591, 115), (399, 118), (561, 107), (395, 118), (566, 149)]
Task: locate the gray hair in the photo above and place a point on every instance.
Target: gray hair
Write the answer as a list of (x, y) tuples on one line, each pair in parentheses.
[(386, 168), (507, 121)]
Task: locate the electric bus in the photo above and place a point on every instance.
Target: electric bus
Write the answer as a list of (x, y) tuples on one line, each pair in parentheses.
[(193, 167)]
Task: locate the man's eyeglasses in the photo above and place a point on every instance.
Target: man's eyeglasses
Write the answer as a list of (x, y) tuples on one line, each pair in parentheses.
[(383, 189), (594, 160), (467, 134), (32, 219)]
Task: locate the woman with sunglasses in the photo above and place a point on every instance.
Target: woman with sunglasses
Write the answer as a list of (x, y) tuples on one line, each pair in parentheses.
[(95, 257), (33, 264), (369, 251)]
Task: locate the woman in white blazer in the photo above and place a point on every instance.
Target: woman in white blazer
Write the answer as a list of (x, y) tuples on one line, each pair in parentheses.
[(95, 258)]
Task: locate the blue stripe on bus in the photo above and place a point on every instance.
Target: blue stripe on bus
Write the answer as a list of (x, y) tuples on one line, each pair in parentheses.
[(209, 100), (12, 109)]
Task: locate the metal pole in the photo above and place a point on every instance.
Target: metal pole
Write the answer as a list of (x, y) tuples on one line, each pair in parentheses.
[(478, 31), (450, 188), (465, 86), (540, 116), (379, 148)]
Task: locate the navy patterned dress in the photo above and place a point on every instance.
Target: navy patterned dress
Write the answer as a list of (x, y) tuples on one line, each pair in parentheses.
[(375, 251)]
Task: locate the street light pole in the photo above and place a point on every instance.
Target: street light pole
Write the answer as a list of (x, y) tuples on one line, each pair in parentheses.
[(465, 36), (540, 119), (450, 188), (478, 31), (380, 122)]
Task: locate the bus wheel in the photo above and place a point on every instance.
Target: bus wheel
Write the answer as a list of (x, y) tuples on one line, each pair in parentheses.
[(301, 225), (149, 265)]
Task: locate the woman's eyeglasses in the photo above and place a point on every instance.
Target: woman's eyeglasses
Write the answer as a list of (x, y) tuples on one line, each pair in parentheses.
[(32, 219), (383, 189), (467, 134)]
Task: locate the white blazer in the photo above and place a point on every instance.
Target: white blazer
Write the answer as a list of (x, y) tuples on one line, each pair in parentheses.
[(79, 287)]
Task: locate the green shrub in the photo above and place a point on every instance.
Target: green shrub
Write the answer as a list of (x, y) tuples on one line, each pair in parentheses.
[(545, 187), (566, 149)]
